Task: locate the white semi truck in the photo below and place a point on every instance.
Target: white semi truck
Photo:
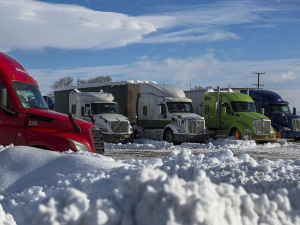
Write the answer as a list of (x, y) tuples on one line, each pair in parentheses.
[(100, 108), (165, 113)]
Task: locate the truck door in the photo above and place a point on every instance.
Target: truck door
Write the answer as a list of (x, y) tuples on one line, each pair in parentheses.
[(227, 117), (8, 121)]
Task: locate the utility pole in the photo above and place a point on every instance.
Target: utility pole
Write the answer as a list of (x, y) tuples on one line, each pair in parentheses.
[(258, 74)]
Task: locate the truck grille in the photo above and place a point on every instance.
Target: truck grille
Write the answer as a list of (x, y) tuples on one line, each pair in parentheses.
[(97, 140), (262, 126), (196, 126), (120, 127), (296, 124)]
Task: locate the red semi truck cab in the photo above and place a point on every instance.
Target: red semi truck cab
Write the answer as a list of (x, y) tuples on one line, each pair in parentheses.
[(25, 118)]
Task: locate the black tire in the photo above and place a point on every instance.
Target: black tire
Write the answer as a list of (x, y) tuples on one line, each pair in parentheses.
[(169, 136)]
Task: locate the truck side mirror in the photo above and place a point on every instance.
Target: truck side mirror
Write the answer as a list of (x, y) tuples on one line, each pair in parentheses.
[(3, 97), (294, 111), (262, 111), (162, 109), (93, 119), (134, 117)]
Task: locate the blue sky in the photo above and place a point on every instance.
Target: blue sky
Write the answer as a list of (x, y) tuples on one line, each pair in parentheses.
[(185, 43)]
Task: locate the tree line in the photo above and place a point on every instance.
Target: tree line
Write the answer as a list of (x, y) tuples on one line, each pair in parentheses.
[(68, 81)]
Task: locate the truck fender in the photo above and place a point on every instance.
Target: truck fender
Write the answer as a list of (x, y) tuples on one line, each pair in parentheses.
[(278, 125), (174, 127), (102, 126), (239, 125)]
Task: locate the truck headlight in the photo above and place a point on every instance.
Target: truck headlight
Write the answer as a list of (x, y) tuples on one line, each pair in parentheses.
[(181, 131), (78, 146), (246, 130)]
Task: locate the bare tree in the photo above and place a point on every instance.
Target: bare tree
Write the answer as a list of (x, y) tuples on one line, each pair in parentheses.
[(67, 81), (201, 88), (63, 82), (98, 79), (81, 81)]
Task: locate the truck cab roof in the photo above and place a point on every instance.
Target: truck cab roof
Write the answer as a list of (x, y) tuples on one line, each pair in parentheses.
[(231, 96), (13, 70), (265, 95), (162, 90), (93, 96)]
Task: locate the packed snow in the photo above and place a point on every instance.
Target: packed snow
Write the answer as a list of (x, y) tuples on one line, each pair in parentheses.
[(196, 184)]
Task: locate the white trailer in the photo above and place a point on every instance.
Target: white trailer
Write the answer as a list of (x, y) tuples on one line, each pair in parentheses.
[(100, 107)]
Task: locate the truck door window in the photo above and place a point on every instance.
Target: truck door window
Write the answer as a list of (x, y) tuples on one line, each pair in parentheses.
[(87, 109), (73, 109), (163, 109), (206, 109), (227, 108), (144, 110), (4, 96)]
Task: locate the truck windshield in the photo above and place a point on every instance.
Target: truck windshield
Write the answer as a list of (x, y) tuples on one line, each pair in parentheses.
[(183, 107), (29, 96), (282, 109), (243, 107), (103, 108)]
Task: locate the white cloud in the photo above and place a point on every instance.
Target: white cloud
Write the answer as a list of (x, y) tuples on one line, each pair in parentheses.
[(28, 24), (284, 77)]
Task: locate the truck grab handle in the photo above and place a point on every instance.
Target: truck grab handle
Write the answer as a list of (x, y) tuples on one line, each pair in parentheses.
[(76, 126)]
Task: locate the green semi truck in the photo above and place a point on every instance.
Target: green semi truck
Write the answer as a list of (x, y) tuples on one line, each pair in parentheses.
[(232, 114)]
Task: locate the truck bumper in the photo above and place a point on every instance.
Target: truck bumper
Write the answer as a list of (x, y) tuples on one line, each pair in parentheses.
[(262, 137), (117, 138), (290, 134), (190, 138)]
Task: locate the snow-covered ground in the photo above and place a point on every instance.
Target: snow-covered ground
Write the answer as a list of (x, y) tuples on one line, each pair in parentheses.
[(214, 183)]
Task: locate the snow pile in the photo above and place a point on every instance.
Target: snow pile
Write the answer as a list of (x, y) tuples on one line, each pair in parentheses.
[(44, 187), (142, 144)]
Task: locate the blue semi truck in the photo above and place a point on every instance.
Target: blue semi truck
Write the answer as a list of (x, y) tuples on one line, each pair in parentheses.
[(285, 122)]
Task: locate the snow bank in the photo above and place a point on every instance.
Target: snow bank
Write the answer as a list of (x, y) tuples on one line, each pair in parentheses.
[(44, 187)]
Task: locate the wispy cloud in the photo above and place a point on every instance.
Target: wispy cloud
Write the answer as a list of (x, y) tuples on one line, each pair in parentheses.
[(28, 24)]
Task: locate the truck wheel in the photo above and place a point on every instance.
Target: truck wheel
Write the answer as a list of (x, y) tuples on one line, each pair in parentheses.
[(235, 133), (168, 136)]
